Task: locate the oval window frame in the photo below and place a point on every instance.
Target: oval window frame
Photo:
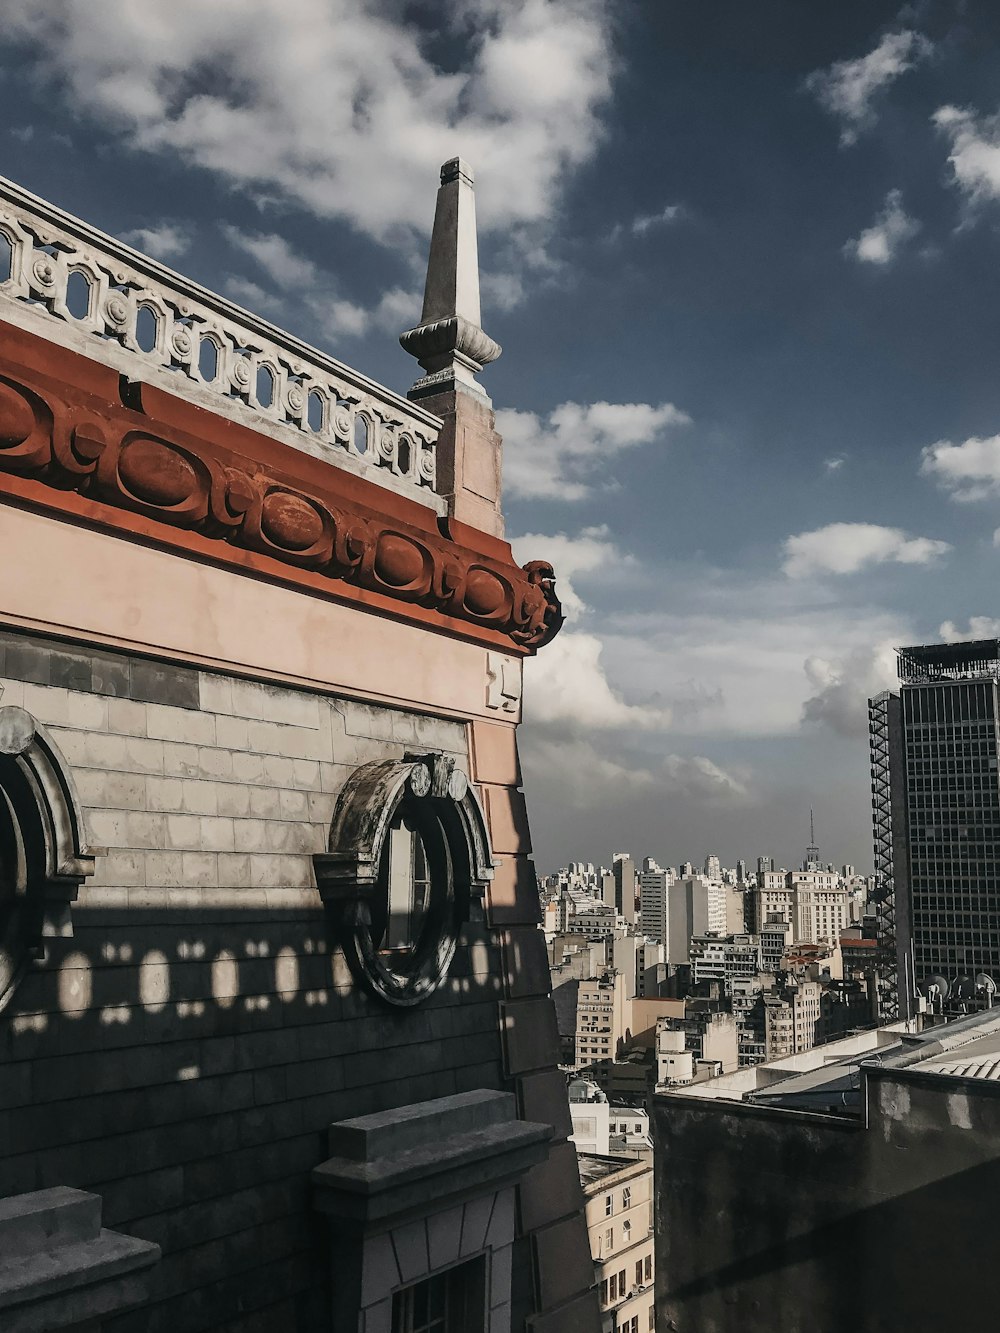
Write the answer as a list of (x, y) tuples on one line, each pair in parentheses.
[(351, 876)]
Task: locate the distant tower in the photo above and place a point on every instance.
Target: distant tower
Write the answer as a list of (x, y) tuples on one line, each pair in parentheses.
[(936, 806), (812, 851)]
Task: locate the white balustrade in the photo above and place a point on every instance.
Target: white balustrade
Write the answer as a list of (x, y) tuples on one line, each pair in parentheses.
[(72, 284)]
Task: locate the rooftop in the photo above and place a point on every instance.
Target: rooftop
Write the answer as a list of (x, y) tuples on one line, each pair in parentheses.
[(949, 661), (598, 1172), (828, 1079)]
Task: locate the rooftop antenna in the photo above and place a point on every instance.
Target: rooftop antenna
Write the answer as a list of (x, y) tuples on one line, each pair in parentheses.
[(812, 851)]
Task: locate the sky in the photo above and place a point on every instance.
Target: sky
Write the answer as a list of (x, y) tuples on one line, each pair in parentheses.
[(744, 262)]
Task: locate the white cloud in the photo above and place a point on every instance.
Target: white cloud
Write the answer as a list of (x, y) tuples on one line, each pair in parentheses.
[(843, 685), (970, 470), (743, 642), (561, 458), (341, 106), (566, 688), (834, 464), (166, 241), (587, 778), (845, 548), (848, 89), (592, 550), (295, 283), (975, 151), (881, 242), (646, 222), (979, 627)]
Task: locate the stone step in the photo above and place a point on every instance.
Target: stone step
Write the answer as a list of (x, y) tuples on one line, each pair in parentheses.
[(47, 1219)]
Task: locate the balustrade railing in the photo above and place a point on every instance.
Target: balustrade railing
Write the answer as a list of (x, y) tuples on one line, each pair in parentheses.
[(76, 286)]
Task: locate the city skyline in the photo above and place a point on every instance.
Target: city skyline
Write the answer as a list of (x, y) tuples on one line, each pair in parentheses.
[(736, 261)]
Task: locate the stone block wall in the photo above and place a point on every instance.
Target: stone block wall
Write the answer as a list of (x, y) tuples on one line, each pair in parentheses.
[(184, 1052)]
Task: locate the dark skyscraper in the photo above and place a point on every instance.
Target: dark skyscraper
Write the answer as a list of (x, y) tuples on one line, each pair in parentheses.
[(936, 806)]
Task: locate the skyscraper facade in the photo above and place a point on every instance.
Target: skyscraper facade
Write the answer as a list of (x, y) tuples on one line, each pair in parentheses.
[(936, 806)]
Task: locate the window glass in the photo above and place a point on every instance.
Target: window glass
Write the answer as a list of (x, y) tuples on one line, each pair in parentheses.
[(407, 886), (450, 1302)]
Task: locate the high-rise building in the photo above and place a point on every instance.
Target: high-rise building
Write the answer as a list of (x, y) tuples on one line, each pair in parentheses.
[(653, 881), (713, 867), (936, 807), (695, 906), (623, 869)]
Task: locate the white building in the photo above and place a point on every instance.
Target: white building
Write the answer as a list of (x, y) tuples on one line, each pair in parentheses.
[(695, 906)]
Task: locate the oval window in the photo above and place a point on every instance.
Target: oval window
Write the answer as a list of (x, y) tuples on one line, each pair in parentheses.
[(408, 850)]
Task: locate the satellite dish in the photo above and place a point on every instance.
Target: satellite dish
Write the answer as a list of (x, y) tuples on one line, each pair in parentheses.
[(934, 987), (985, 982), (963, 988)]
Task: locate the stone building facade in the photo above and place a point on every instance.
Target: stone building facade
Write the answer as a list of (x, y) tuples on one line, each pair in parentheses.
[(277, 1047)]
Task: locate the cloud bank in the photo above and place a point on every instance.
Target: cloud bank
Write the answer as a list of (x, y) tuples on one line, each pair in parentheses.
[(846, 548), (968, 471), (340, 106), (568, 455)]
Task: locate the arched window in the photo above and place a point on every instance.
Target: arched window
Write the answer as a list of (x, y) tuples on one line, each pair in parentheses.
[(43, 856), (408, 852)]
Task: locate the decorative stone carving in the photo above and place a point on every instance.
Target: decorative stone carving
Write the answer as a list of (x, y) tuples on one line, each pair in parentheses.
[(43, 853), (353, 875), (203, 488), (126, 290)]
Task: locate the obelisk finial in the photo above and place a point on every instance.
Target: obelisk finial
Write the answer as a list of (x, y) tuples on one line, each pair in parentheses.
[(449, 343)]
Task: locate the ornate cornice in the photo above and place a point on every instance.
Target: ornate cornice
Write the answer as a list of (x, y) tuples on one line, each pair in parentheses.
[(339, 537)]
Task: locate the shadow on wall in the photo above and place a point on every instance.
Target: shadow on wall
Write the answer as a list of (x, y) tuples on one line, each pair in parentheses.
[(185, 1065), (916, 1261)]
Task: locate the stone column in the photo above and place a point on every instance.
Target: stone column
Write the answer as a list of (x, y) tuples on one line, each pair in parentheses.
[(452, 348)]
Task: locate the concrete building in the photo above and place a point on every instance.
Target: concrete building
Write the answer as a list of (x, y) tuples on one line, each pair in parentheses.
[(619, 1198), (624, 872), (792, 1019), (653, 883), (601, 1128), (710, 1036), (602, 1016), (812, 900), (695, 906), (278, 1048), (834, 1182)]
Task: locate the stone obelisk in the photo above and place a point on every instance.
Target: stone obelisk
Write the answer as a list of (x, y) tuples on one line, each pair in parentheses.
[(452, 348)]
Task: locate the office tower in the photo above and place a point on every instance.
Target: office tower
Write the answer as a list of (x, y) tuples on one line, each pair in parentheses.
[(623, 869), (936, 822), (713, 867), (694, 906), (653, 882)]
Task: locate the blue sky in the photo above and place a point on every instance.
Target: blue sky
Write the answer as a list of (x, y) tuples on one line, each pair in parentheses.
[(743, 259)]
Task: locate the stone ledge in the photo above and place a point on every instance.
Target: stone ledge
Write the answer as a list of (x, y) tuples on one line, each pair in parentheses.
[(425, 1154), (60, 1267)]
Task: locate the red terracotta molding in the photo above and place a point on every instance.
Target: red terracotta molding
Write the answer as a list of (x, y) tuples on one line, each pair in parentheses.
[(163, 471)]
